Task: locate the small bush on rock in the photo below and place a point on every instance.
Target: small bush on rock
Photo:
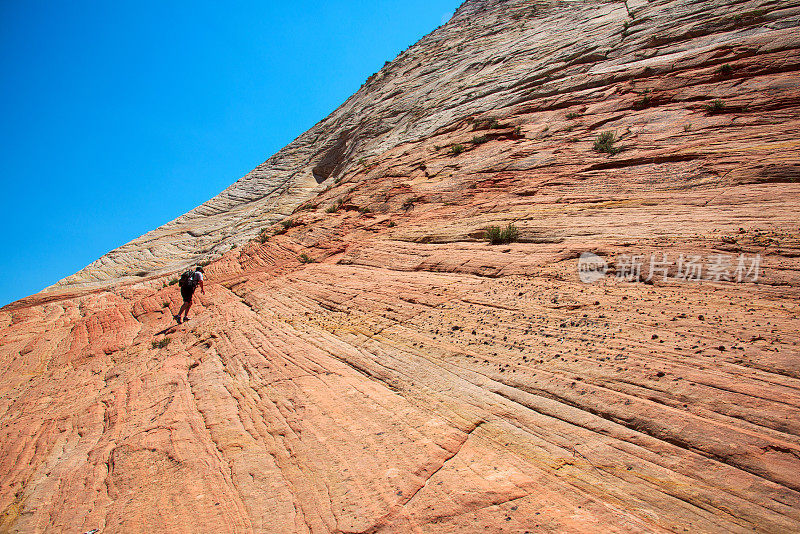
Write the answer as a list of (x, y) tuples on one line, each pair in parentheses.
[(717, 106), (336, 206), (455, 150), (409, 202), (605, 143), (500, 236), (162, 343)]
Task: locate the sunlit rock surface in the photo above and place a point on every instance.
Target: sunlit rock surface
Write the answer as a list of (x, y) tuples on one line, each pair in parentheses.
[(380, 367)]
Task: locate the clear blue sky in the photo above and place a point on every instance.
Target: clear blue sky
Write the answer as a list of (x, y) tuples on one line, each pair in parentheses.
[(119, 116)]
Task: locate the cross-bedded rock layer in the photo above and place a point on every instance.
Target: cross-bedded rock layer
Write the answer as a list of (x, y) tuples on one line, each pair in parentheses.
[(373, 365)]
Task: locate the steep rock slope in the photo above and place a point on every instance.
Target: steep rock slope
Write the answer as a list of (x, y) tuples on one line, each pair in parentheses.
[(491, 55), (372, 364)]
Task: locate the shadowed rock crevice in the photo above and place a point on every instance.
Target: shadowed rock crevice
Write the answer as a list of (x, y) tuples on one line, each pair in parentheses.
[(332, 161)]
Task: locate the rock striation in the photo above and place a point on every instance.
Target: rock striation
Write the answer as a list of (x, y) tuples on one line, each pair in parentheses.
[(364, 361)]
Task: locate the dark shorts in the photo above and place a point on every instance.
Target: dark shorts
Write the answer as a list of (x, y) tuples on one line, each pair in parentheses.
[(186, 293)]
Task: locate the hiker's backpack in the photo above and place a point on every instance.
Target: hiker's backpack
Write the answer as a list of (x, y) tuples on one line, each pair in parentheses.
[(187, 280)]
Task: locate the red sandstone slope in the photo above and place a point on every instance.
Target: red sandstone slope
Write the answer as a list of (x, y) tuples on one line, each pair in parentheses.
[(414, 378)]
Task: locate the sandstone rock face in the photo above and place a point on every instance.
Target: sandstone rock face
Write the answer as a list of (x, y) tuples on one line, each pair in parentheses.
[(374, 365)]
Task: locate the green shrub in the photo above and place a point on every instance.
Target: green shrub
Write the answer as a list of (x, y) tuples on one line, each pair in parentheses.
[(749, 16), (642, 102), (510, 233), (162, 343), (284, 226), (479, 139), (336, 206), (531, 11), (363, 209), (493, 234), (409, 202), (392, 224), (305, 207), (455, 150), (717, 106), (605, 143), (499, 236), (304, 258), (725, 69), (486, 124), (573, 115)]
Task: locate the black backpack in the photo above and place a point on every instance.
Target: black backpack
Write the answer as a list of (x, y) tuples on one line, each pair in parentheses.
[(187, 280)]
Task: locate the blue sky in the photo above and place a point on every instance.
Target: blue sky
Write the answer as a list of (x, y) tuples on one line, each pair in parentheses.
[(120, 116)]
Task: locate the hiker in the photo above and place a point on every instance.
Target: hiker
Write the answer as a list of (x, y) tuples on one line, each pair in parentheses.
[(188, 283)]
